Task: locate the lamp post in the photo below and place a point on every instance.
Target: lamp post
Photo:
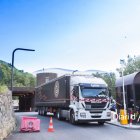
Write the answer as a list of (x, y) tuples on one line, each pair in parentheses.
[(12, 69), (122, 62), (74, 71)]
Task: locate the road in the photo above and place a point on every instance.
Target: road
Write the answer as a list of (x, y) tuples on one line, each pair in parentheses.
[(66, 131)]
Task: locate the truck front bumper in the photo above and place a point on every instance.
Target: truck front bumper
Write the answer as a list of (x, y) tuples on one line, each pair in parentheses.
[(88, 116), (93, 120)]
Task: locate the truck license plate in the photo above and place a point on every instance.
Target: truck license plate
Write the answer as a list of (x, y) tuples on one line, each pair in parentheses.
[(96, 114)]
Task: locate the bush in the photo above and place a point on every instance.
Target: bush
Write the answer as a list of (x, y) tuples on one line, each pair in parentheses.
[(3, 89)]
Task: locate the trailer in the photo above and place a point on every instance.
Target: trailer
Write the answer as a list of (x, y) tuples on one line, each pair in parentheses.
[(77, 98)]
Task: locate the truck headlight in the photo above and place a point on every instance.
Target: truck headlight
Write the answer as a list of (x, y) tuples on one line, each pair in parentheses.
[(83, 115), (108, 114)]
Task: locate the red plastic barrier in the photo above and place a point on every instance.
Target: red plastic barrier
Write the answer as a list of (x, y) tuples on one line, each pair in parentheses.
[(30, 124)]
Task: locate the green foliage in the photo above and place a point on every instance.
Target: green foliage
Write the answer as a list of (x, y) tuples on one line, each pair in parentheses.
[(131, 65), (110, 79), (21, 78), (5, 74), (3, 89)]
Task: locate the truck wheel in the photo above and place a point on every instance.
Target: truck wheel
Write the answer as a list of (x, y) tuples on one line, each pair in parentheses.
[(39, 111), (101, 123), (72, 117), (58, 114), (45, 113)]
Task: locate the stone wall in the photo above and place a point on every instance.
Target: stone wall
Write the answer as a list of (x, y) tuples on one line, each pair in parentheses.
[(7, 117)]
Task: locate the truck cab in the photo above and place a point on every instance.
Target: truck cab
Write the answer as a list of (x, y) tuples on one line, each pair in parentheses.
[(89, 100)]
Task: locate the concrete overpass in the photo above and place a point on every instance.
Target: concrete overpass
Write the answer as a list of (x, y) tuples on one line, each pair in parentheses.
[(26, 96)]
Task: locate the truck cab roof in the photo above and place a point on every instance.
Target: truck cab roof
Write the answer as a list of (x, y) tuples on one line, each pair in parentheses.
[(87, 79)]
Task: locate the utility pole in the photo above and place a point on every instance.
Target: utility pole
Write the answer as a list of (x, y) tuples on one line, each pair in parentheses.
[(122, 62)]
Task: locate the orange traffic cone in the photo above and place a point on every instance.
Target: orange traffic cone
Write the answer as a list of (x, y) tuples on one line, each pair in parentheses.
[(51, 129)]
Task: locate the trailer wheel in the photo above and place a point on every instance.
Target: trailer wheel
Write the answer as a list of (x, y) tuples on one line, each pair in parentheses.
[(101, 123), (72, 117), (41, 111), (38, 111)]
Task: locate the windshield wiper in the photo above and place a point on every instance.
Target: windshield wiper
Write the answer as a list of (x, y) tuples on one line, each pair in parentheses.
[(89, 96), (102, 95)]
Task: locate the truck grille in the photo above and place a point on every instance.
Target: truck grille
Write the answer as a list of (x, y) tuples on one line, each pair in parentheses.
[(95, 105)]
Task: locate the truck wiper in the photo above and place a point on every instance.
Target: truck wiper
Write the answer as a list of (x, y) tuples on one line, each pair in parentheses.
[(89, 96), (101, 95)]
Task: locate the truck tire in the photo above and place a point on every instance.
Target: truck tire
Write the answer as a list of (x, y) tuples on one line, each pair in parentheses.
[(58, 115), (45, 113), (39, 111), (101, 123), (42, 111), (72, 117)]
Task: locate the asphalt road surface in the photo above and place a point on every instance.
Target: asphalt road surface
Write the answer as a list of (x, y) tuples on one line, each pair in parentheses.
[(66, 131)]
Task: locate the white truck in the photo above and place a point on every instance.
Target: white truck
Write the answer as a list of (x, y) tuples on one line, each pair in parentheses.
[(77, 98)]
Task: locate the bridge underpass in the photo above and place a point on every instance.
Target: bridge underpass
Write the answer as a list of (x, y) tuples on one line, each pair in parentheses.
[(25, 97)]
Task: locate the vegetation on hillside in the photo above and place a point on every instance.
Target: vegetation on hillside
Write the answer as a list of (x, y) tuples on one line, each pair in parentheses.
[(21, 78), (3, 88)]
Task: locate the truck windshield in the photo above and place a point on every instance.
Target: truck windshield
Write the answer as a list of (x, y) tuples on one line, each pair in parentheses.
[(94, 92)]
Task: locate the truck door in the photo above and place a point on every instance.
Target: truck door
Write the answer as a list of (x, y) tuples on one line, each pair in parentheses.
[(76, 96)]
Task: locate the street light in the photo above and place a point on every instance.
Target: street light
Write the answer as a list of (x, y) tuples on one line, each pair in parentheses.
[(74, 71), (122, 62), (12, 69)]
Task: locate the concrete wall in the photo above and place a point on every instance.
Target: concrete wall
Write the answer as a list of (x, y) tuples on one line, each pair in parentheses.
[(7, 117)]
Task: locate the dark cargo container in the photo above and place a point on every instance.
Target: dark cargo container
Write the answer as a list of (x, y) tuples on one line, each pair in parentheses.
[(55, 93), (41, 78)]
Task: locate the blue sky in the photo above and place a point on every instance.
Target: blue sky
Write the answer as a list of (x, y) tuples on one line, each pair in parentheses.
[(72, 34)]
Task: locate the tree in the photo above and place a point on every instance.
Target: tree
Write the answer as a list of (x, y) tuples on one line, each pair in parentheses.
[(131, 65), (21, 78), (5, 74), (3, 89)]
